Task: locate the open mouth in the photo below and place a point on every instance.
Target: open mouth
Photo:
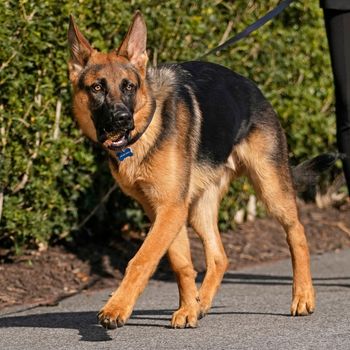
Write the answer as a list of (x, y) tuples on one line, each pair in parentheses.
[(117, 142)]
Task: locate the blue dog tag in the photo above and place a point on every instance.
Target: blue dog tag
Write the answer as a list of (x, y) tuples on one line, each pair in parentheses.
[(125, 153)]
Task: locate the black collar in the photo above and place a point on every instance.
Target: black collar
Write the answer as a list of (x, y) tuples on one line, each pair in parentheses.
[(149, 120)]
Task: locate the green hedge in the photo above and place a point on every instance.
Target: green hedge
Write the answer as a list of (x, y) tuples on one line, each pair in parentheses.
[(51, 178)]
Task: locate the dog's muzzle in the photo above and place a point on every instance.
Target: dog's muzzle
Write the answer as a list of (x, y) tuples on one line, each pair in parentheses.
[(117, 136), (118, 142), (123, 120)]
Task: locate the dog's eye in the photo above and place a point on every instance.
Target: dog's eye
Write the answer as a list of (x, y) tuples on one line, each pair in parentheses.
[(96, 87), (129, 87)]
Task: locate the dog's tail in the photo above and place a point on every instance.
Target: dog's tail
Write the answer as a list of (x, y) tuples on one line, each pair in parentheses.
[(305, 175)]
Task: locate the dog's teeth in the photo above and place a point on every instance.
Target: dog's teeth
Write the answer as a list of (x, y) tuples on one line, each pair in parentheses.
[(120, 142)]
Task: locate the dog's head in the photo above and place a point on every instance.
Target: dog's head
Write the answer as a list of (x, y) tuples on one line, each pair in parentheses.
[(111, 100)]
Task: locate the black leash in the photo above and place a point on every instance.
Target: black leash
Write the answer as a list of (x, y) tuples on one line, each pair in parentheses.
[(251, 28)]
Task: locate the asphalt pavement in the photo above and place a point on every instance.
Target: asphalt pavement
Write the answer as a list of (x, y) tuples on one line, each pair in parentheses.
[(251, 311)]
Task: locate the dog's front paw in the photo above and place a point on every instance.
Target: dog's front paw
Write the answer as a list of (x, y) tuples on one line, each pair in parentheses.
[(185, 316), (303, 303), (112, 316)]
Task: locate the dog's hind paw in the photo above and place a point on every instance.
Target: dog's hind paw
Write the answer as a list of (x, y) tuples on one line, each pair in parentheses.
[(303, 303), (204, 308)]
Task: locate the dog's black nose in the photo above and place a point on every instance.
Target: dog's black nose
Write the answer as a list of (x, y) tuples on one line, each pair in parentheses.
[(123, 116), (124, 119)]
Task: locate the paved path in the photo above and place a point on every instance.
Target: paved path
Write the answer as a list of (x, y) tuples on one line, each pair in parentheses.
[(250, 312)]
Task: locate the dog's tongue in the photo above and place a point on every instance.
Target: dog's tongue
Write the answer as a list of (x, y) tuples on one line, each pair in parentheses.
[(115, 145)]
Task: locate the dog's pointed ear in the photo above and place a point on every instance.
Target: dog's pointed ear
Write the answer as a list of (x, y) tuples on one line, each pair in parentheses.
[(80, 49), (134, 44)]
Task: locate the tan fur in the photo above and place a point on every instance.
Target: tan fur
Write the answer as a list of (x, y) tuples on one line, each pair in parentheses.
[(180, 259), (274, 185), (174, 189)]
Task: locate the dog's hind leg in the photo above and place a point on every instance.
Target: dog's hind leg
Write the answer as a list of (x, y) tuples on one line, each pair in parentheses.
[(203, 218), (179, 256), (264, 156)]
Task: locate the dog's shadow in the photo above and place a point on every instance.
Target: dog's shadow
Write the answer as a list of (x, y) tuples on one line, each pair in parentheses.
[(90, 331), (85, 322)]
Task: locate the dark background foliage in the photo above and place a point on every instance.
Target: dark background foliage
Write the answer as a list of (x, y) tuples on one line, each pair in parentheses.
[(51, 178)]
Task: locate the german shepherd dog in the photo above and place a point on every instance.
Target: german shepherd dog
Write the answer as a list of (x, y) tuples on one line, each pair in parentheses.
[(176, 136)]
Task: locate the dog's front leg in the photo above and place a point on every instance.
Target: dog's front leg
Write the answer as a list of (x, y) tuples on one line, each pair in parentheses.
[(179, 255), (168, 222)]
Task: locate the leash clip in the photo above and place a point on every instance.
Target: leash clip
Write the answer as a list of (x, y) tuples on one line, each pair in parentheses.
[(125, 153)]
